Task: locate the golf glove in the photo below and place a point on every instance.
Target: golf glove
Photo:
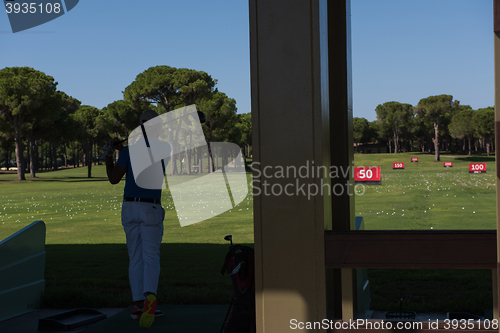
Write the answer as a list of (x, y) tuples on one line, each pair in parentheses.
[(108, 151)]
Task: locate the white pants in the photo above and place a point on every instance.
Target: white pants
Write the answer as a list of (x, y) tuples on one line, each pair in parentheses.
[(143, 225)]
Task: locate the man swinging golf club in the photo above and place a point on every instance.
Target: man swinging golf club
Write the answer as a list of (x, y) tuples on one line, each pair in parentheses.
[(142, 219)]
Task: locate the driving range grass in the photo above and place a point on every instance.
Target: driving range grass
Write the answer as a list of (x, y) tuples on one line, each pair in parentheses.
[(81, 210), (87, 259), (424, 196)]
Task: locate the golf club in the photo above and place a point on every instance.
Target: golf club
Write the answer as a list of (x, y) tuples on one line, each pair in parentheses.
[(229, 238)]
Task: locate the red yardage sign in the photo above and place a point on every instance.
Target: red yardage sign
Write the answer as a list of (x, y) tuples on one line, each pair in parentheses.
[(367, 174), (399, 165), (477, 167)]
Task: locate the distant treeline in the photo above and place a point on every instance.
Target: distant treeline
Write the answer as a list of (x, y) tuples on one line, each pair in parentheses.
[(435, 123), (44, 128)]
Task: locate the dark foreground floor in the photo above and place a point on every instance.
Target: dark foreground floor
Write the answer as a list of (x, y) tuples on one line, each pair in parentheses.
[(177, 319)]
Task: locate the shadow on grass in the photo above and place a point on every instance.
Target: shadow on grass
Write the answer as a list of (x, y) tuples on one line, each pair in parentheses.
[(60, 180), (96, 275), (431, 290), (75, 179), (476, 158)]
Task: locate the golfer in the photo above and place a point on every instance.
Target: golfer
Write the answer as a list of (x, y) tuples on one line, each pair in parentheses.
[(142, 220)]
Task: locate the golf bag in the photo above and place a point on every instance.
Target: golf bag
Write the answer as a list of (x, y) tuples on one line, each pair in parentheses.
[(239, 263)]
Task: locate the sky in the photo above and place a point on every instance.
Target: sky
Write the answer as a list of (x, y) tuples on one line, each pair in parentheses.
[(406, 50), (402, 50)]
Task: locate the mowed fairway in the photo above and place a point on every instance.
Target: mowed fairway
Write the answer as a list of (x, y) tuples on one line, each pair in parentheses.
[(426, 195), (79, 210), (87, 258), (87, 261)]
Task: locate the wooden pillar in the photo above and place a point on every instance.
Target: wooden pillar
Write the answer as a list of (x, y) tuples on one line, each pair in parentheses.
[(496, 28), (340, 282), (290, 121)]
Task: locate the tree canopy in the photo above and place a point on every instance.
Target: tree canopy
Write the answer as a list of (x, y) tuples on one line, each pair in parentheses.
[(87, 120), (462, 126), (484, 122), (24, 92), (435, 108), (120, 118), (33, 112), (360, 130), (169, 86), (394, 117)]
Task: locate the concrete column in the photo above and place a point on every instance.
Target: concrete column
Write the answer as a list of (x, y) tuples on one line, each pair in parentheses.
[(291, 133)]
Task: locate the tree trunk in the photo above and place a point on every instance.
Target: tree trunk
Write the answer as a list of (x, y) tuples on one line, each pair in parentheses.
[(188, 161), (173, 163), (188, 154), (37, 156), (436, 142), (195, 157), (488, 148), (96, 155), (470, 151), (7, 158), (32, 158), (224, 159), (65, 154), (210, 153), (49, 157), (54, 156), (42, 160), (215, 156), (211, 166), (200, 160), (19, 150), (88, 159), (395, 143), (244, 159), (173, 166), (28, 155)]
